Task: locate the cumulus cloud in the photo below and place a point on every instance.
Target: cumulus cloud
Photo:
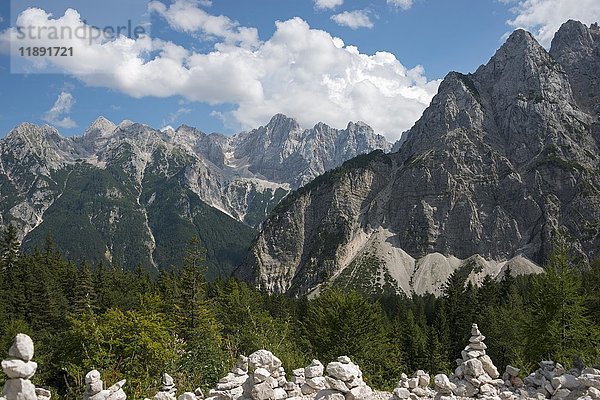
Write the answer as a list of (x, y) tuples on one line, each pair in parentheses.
[(302, 72), (544, 17), (353, 19), (187, 16), (328, 4), (403, 4), (58, 114)]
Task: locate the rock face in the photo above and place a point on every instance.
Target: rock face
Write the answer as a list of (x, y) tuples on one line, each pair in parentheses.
[(129, 183), (502, 161)]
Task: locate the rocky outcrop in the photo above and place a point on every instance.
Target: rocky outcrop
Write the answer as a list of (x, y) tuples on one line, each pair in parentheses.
[(501, 162)]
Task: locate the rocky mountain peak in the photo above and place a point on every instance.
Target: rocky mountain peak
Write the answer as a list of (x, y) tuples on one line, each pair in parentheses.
[(101, 127), (576, 48), (282, 122)]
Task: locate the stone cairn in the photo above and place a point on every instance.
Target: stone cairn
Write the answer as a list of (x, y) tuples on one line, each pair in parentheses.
[(314, 381), (415, 387), (260, 376), (476, 374), (551, 380), (344, 382), (19, 369), (94, 388)]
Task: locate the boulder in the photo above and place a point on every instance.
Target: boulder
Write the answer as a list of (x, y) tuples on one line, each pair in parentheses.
[(22, 348), (314, 370), (473, 367), (344, 372), (337, 384), (402, 393), (489, 367), (15, 368), (263, 359), (589, 380), (261, 375), (362, 392), (512, 371), (19, 389), (262, 391)]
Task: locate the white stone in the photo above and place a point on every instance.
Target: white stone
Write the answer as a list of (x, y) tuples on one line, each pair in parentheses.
[(16, 368), (413, 383), (231, 381), (92, 376), (314, 370), (263, 359), (489, 367), (424, 380), (19, 389), (337, 384), (317, 383), (473, 367), (22, 348), (475, 330), (362, 392), (402, 393), (260, 375), (262, 391), (593, 392), (344, 372), (344, 359), (298, 372), (443, 384), (187, 396), (280, 393), (589, 380)]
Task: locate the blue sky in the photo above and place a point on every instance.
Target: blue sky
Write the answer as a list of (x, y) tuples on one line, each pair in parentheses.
[(226, 65)]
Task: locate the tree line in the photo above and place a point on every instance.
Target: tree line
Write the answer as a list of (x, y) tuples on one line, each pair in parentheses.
[(131, 326)]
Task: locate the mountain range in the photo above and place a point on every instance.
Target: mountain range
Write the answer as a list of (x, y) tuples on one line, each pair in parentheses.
[(502, 163), (133, 195)]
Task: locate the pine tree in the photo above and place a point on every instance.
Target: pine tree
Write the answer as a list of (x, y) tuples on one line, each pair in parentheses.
[(559, 327), (84, 296)]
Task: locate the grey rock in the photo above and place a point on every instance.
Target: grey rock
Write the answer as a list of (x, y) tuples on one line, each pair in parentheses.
[(19, 389), (402, 393), (16, 368), (328, 394), (314, 370), (22, 348), (344, 372), (263, 391)]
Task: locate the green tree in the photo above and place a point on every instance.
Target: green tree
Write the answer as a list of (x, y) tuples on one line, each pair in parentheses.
[(559, 328)]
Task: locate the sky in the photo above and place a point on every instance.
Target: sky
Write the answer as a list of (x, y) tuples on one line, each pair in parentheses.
[(230, 65)]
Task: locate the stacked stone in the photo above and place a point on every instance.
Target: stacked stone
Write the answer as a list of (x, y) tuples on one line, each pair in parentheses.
[(293, 388), (235, 385), (314, 381), (344, 382), (19, 369), (551, 380), (196, 395), (268, 375), (415, 387), (94, 388), (476, 373), (589, 383), (444, 388)]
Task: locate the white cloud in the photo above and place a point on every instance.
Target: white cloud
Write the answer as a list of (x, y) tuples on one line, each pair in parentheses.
[(58, 114), (327, 4), (175, 115), (1, 19), (186, 16), (353, 19), (544, 17), (302, 72), (403, 4)]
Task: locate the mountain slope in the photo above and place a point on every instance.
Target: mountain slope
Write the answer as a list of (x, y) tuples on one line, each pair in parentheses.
[(133, 195), (502, 161)]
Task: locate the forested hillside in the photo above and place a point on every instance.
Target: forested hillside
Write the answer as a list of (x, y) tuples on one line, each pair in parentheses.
[(127, 325)]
